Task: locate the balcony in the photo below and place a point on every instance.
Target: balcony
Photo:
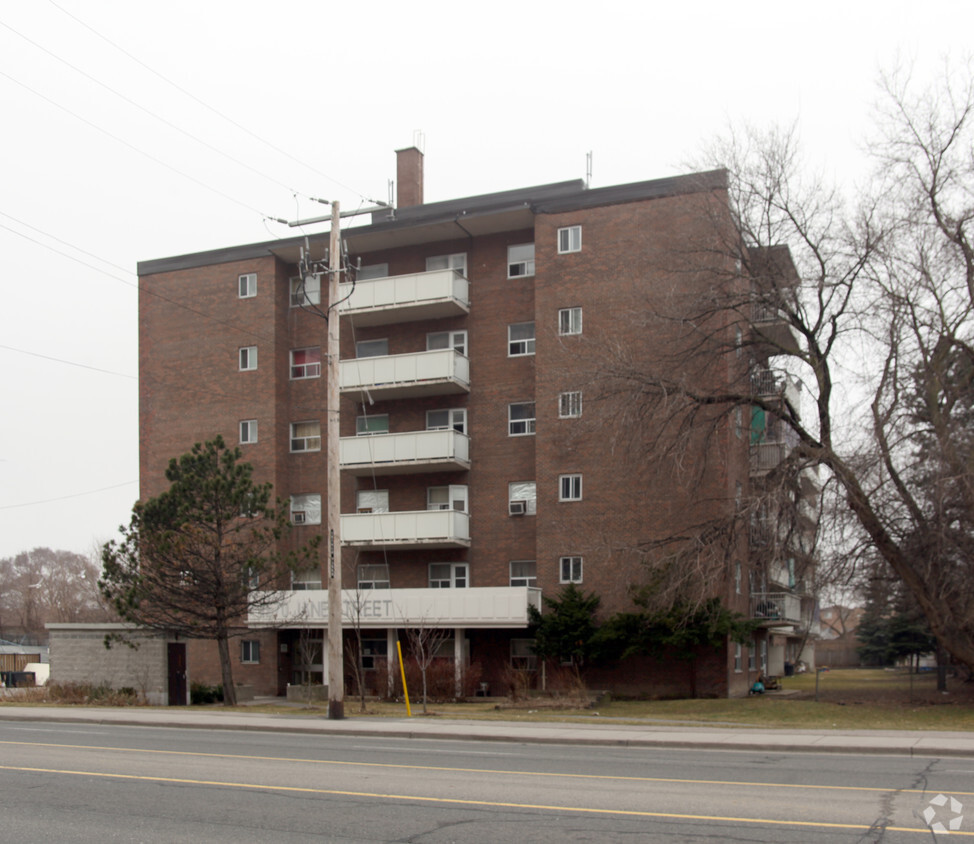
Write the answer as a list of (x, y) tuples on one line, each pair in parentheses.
[(771, 326), (405, 298), (406, 454), (767, 456), (439, 372), (775, 609), (771, 384), (491, 607), (407, 529)]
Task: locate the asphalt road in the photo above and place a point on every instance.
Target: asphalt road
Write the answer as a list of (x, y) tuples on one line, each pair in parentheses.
[(81, 783)]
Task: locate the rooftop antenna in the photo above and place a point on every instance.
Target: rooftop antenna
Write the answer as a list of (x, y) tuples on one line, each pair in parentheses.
[(588, 169), (419, 140)]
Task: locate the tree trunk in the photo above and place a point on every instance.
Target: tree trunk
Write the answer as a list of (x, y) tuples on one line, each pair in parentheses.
[(226, 670)]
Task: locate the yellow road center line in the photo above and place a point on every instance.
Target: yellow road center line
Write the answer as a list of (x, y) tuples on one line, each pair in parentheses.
[(457, 801), (395, 766)]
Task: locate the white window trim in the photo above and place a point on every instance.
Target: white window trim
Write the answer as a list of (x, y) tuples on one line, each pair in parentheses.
[(307, 509), (455, 493), (530, 580), (573, 238), (571, 560), (379, 578), (308, 370), (456, 419), (455, 569), (247, 358), (569, 321), (363, 431), (570, 404), (246, 285), (530, 423), (526, 263), (364, 343), (573, 482), (250, 651), (516, 491), (456, 340), (528, 342), (305, 440), (250, 427), (454, 261)]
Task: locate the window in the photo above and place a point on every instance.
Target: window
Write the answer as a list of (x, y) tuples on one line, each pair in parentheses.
[(372, 650), (457, 261), (569, 487), (737, 577), (373, 576), (442, 420), (370, 271), (525, 491), (247, 355), (738, 662), (306, 509), (304, 580), (371, 348), (569, 239), (248, 431), (250, 651), (306, 363), (305, 291), (570, 405), (306, 436), (520, 339), (523, 657), (456, 340), (368, 425), (523, 573), (372, 501), (448, 575), (452, 497), (570, 570), (520, 419), (252, 578), (247, 285), (752, 655), (570, 321), (520, 260)]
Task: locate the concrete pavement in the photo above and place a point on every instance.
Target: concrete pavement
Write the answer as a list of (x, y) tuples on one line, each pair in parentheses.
[(898, 742)]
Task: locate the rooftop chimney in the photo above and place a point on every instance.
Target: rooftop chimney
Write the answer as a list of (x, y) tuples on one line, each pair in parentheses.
[(409, 177)]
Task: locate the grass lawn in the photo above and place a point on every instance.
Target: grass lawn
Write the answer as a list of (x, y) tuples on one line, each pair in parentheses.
[(848, 699)]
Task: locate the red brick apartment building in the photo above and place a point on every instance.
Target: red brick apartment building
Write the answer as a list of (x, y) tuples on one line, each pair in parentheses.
[(481, 467)]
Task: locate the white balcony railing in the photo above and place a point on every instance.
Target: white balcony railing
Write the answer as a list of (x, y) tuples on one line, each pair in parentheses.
[(407, 528), (491, 606), (776, 607), (406, 453), (433, 373), (405, 298)]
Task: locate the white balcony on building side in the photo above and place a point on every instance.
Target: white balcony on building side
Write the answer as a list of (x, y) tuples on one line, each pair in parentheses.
[(491, 606), (433, 373), (405, 453), (405, 298), (771, 325), (407, 529), (776, 608)]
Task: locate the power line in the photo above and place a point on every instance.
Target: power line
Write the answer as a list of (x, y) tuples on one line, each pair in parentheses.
[(68, 362), (66, 497), (207, 106)]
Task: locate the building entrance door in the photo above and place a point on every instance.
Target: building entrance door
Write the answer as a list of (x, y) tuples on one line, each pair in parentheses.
[(177, 673)]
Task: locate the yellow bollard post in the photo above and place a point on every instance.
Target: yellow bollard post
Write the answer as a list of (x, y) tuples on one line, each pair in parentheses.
[(402, 670)]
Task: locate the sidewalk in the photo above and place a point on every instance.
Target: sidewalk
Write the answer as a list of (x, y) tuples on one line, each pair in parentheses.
[(909, 743)]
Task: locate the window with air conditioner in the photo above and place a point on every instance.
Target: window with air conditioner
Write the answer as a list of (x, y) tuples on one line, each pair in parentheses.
[(306, 509), (525, 492), (517, 508), (520, 260)]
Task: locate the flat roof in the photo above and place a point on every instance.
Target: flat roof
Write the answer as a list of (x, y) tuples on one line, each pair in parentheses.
[(475, 215)]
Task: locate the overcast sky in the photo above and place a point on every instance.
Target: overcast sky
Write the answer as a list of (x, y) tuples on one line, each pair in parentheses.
[(134, 131)]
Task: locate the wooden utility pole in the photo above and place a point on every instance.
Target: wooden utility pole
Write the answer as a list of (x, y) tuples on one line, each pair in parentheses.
[(336, 673)]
